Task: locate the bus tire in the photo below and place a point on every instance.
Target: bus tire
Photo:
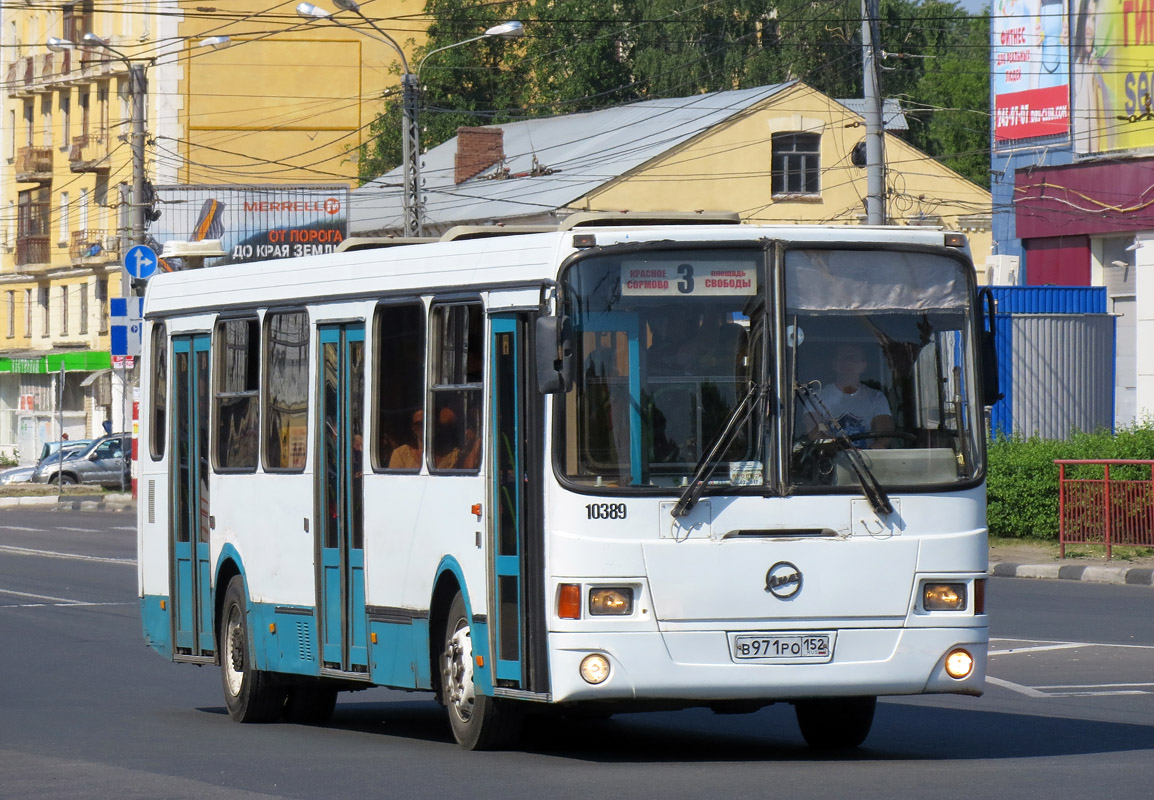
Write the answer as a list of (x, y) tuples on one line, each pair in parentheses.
[(310, 705), (251, 695), (478, 722), (835, 723)]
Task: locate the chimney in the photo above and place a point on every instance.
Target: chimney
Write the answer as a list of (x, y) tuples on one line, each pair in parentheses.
[(477, 150)]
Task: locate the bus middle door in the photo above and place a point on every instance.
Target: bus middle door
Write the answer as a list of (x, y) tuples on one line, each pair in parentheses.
[(339, 493)]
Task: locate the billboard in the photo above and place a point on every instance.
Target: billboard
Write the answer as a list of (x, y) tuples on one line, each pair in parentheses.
[(254, 223), (1031, 69), (1112, 48)]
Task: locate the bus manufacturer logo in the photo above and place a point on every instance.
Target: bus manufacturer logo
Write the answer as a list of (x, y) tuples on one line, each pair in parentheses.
[(783, 580)]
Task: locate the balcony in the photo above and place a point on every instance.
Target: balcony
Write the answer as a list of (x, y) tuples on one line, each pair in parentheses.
[(93, 246), (34, 165), (89, 153), (32, 250)]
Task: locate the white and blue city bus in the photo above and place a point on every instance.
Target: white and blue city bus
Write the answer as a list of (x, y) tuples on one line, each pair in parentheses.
[(594, 469)]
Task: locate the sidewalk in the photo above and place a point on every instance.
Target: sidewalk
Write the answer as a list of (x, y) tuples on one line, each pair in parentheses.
[(96, 501), (1026, 559)]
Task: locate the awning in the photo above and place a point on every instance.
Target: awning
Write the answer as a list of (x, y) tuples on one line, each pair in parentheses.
[(95, 376)]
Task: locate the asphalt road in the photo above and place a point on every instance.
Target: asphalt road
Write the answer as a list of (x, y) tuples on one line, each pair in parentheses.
[(87, 711)]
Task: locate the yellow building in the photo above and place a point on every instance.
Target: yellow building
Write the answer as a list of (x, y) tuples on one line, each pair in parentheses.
[(774, 154), (284, 100)]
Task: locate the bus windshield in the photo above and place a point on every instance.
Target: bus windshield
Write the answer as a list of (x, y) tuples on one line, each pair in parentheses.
[(664, 349), (880, 356), (876, 358)]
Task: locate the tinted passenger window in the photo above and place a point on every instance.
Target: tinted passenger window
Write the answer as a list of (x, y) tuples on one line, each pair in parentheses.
[(399, 424), (458, 364), (237, 386), (286, 399), (159, 355)]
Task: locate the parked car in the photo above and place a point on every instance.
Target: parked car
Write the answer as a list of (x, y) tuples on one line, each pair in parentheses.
[(16, 475), (50, 452), (104, 462), (67, 445)]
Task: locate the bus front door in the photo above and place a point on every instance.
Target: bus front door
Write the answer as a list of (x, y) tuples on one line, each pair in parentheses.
[(518, 554), (191, 572), (340, 528)]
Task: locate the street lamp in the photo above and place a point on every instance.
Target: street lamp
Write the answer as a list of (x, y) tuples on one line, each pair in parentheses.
[(410, 140)]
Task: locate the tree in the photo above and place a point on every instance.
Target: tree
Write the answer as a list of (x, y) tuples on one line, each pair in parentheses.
[(586, 54)]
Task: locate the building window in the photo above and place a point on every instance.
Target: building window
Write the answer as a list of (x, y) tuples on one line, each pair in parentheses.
[(399, 408), (63, 218), (65, 121), (102, 304), (84, 308), (796, 164), (12, 134), (27, 313), (286, 397), (237, 393), (64, 310), (45, 310), (46, 120), (454, 437), (11, 314)]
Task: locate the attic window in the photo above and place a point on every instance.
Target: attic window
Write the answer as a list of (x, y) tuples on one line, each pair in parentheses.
[(796, 164)]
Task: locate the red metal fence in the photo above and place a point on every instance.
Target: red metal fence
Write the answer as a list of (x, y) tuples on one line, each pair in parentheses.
[(1096, 507)]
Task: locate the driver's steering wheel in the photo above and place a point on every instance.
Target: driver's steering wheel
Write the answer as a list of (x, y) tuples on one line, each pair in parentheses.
[(905, 436)]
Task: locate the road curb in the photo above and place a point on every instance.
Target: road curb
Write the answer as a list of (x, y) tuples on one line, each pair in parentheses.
[(1134, 576)]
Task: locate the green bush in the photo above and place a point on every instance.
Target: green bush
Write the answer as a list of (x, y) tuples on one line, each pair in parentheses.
[(1022, 487)]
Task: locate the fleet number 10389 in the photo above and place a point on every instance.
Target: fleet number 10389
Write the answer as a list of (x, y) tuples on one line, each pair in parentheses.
[(605, 511)]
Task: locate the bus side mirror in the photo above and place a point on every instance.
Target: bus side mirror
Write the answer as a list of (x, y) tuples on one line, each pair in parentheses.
[(554, 354), (989, 350)]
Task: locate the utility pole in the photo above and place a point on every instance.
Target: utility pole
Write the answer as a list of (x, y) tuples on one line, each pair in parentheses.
[(411, 151), (875, 151)]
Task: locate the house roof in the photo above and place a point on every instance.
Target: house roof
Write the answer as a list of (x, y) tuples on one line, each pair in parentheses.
[(553, 161)]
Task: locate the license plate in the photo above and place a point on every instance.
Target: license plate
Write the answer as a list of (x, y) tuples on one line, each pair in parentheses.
[(776, 648)]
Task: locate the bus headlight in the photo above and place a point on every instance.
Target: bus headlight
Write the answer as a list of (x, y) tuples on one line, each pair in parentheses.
[(944, 596), (959, 664), (595, 668), (616, 600)]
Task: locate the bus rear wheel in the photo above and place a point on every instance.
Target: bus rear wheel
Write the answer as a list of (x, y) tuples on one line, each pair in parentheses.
[(835, 723), (478, 722), (251, 695)]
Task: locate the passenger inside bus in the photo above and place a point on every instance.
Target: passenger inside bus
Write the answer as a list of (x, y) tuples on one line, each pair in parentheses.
[(408, 455)]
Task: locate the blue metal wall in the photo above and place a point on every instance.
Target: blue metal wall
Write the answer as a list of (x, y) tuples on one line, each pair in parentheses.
[(1079, 367)]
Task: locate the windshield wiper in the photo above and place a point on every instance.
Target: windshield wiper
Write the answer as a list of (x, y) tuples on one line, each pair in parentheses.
[(708, 463), (869, 483)]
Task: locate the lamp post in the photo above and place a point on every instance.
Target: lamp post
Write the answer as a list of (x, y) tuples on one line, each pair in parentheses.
[(412, 200)]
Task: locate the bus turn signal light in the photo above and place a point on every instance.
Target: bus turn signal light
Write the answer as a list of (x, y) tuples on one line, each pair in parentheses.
[(569, 601)]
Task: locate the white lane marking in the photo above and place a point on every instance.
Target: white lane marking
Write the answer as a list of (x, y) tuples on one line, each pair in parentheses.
[(123, 528), (21, 528), (1039, 648), (51, 601), (1045, 691), (1096, 685), (28, 551), (82, 530)]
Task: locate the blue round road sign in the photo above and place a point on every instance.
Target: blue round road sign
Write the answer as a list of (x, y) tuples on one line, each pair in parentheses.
[(140, 261)]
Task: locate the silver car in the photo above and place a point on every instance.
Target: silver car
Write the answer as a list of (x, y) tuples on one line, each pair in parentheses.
[(104, 462)]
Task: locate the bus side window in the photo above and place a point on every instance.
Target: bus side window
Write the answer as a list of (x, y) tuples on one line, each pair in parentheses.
[(399, 416), (237, 387), (458, 366), (286, 396), (159, 387)]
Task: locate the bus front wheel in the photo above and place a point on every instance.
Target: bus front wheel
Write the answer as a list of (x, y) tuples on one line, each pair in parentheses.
[(835, 723), (251, 695), (479, 722)]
